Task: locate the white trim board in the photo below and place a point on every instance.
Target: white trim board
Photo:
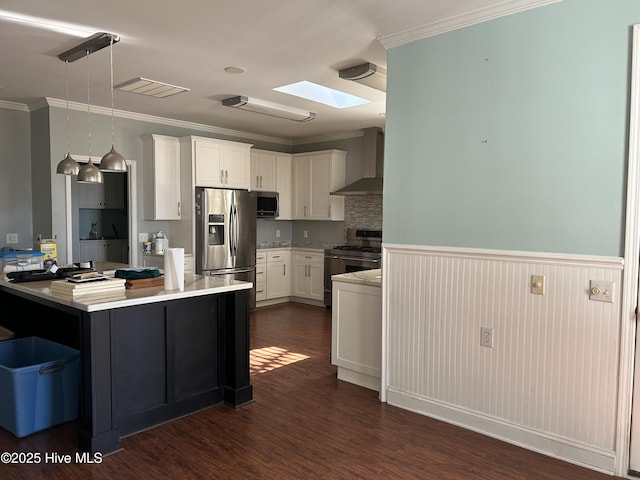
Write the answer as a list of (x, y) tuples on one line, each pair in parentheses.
[(629, 434), (483, 14)]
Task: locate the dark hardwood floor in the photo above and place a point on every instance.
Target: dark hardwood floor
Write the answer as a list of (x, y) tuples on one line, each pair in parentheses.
[(304, 424)]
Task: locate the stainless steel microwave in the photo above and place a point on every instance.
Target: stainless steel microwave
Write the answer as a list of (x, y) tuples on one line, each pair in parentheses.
[(267, 204)]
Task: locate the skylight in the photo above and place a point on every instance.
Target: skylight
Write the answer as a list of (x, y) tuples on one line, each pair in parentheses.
[(318, 93)]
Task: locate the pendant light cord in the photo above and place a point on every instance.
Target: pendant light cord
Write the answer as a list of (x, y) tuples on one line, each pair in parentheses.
[(66, 74), (89, 104), (113, 128)]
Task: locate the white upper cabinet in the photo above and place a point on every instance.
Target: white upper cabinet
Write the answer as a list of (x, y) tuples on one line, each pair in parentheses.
[(284, 186), (218, 163), (263, 170), (161, 177), (315, 176)]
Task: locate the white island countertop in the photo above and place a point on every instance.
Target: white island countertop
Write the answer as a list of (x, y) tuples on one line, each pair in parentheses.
[(364, 277), (194, 286)]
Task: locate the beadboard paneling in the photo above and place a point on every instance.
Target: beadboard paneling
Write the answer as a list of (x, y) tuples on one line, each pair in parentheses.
[(552, 372)]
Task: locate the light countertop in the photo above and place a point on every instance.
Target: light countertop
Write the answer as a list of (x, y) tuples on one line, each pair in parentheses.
[(295, 245), (364, 277), (194, 286)]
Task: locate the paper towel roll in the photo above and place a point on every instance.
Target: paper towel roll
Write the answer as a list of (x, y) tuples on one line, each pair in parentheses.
[(174, 269)]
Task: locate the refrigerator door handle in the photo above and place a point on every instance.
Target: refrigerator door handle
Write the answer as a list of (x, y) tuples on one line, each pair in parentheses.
[(235, 230), (231, 234)]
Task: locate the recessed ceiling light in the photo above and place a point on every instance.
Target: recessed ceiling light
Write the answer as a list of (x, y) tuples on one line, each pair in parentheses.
[(318, 93), (152, 88), (234, 69)]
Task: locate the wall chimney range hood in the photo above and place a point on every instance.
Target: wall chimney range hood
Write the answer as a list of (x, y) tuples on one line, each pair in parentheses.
[(373, 165)]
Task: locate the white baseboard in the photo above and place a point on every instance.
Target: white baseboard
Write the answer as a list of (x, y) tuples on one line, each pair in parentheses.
[(559, 448)]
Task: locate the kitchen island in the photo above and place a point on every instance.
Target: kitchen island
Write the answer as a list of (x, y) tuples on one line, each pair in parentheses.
[(147, 355), (356, 327)]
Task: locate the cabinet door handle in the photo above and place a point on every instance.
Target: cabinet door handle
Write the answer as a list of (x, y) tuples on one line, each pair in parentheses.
[(257, 181), (221, 176), (276, 256), (179, 211), (284, 270), (226, 176)]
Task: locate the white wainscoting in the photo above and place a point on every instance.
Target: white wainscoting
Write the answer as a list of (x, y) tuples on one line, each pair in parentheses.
[(550, 381)]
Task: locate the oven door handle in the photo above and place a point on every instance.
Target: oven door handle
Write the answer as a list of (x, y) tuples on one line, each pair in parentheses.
[(365, 260)]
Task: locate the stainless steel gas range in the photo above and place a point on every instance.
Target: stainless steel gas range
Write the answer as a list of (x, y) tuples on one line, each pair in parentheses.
[(362, 252)]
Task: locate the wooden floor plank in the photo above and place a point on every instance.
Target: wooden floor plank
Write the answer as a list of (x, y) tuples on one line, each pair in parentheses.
[(303, 424)]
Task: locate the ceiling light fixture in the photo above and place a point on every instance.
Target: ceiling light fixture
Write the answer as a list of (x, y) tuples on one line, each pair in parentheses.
[(46, 24), (92, 44), (152, 88), (367, 74), (112, 161), (89, 173), (267, 108), (235, 69), (68, 166)]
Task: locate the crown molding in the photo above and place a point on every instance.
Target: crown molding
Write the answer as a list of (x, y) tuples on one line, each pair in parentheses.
[(484, 14), (328, 138), (54, 102), (82, 107), (14, 106)]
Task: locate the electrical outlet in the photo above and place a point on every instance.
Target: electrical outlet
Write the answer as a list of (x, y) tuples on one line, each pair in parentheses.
[(277, 233), (601, 291), (486, 337), (12, 238), (305, 234), (143, 237)]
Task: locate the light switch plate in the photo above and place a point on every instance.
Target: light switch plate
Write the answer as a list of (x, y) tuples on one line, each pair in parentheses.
[(12, 238), (601, 290), (537, 284), (143, 237)]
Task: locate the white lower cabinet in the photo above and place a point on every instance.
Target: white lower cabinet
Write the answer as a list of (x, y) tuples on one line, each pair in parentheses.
[(261, 286), (308, 280), (278, 274), (273, 274), (283, 274), (356, 333)]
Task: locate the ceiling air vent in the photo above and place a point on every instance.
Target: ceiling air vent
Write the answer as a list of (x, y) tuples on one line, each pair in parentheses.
[(152, 88)]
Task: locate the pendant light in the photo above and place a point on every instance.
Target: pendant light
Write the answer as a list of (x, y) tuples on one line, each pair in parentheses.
[(112, 161), (68, 166), (89, 173)]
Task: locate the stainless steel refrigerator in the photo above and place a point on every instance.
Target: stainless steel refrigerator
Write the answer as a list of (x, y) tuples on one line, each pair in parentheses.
[(226, 234)]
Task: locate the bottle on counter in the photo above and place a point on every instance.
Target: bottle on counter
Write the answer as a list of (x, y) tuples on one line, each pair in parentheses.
[(160, 242)]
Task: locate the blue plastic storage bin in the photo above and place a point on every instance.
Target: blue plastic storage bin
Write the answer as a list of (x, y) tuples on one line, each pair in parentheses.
[(39, 384)]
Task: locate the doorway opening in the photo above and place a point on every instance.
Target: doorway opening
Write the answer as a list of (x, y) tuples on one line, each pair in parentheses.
[(111, 206)]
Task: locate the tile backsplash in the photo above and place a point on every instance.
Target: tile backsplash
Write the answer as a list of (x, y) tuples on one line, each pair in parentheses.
[(363, 211)]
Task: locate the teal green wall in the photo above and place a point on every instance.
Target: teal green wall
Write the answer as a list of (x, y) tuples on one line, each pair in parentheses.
[(512, 134)]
